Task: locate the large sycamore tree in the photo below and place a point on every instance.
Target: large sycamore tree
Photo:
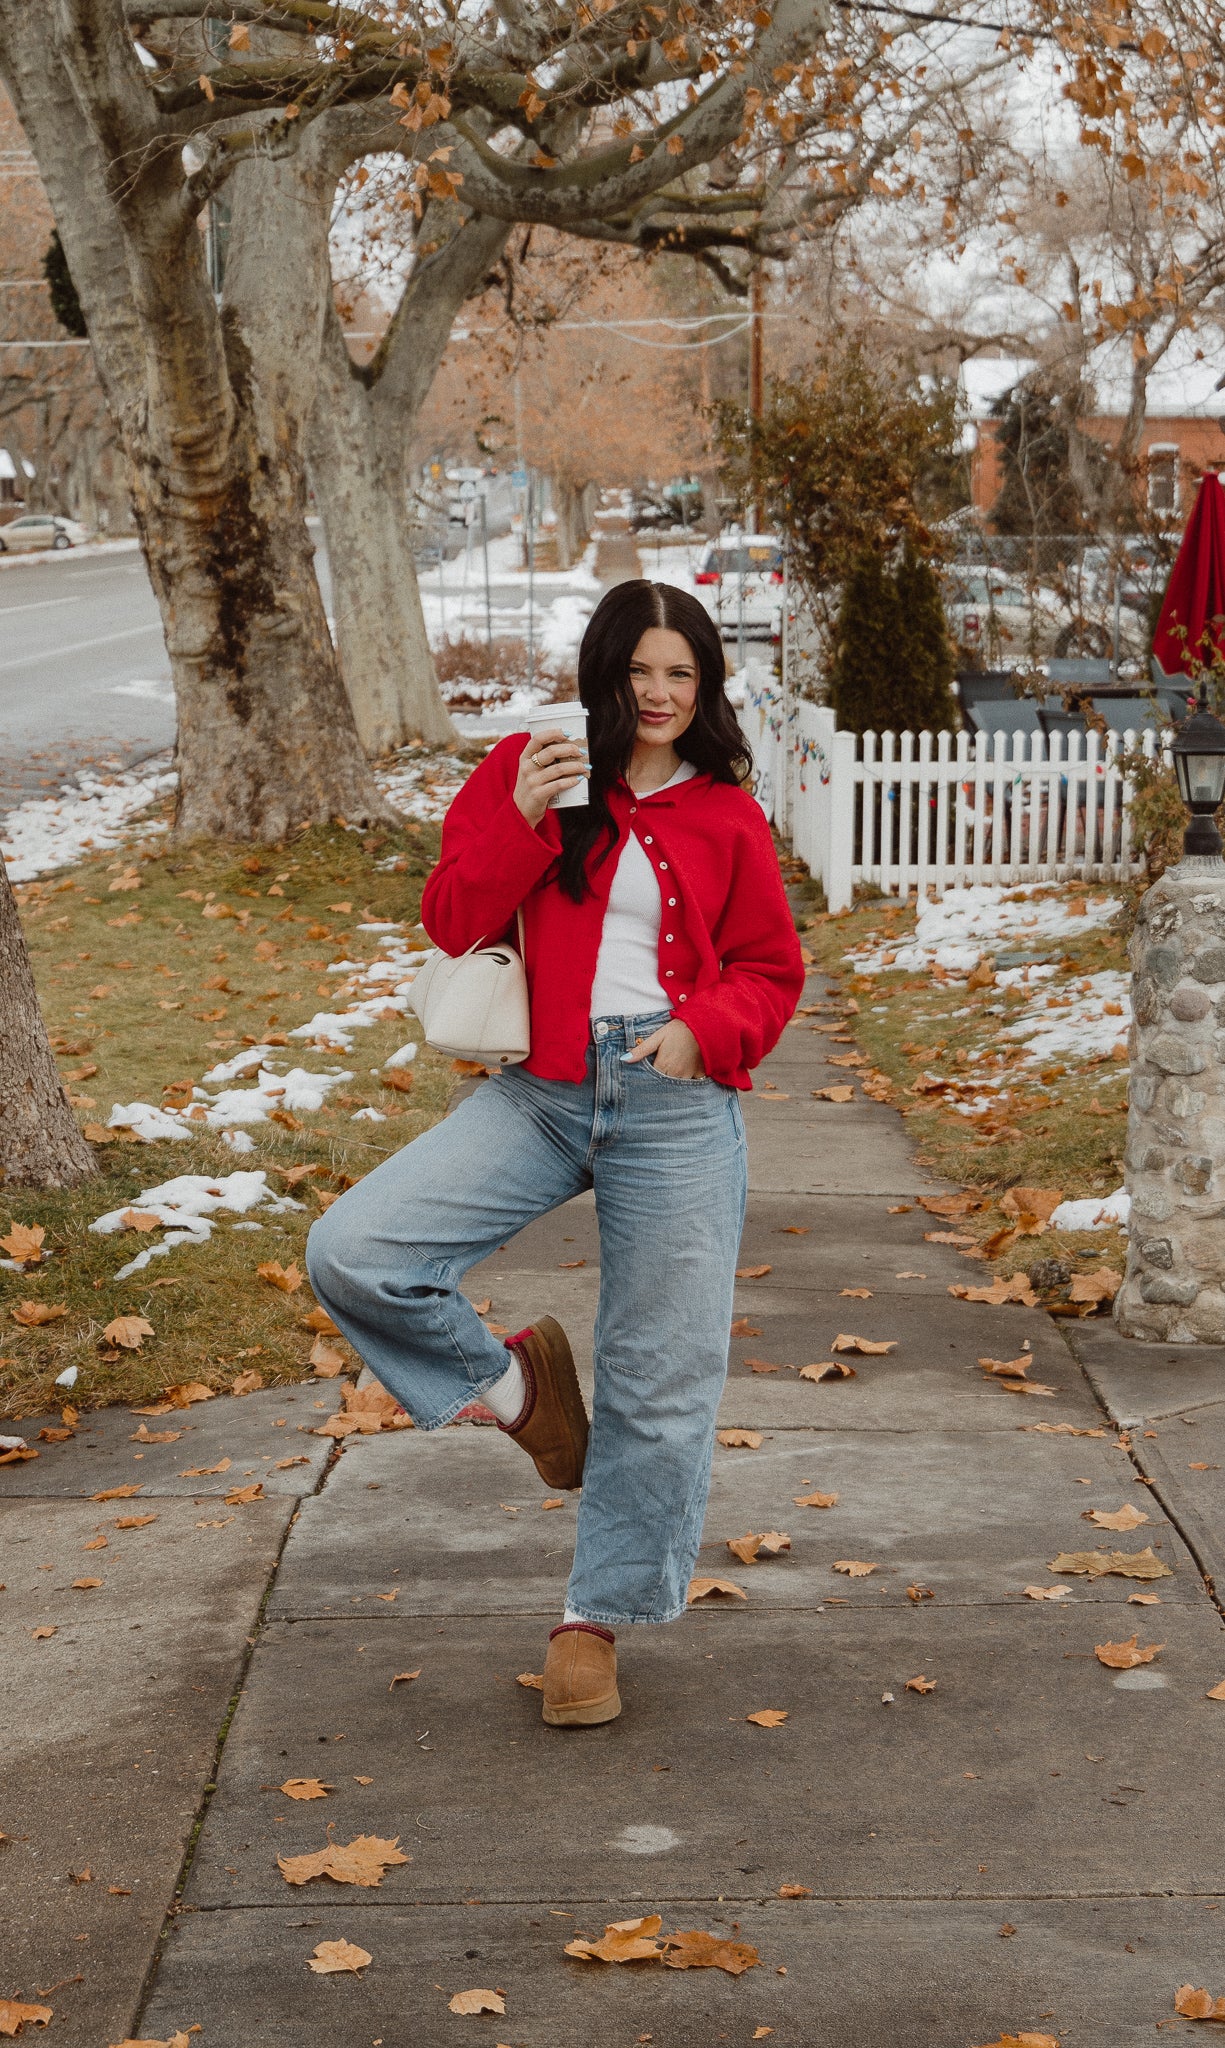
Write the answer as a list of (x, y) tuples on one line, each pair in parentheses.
[(141, 117)]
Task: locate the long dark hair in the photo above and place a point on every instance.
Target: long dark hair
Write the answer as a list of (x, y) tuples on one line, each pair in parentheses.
[(713, 742)]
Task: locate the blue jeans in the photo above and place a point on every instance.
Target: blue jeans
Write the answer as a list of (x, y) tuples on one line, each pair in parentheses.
[(667, 1161)]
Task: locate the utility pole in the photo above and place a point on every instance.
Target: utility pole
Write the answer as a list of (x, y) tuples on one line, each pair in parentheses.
[(757, 387)]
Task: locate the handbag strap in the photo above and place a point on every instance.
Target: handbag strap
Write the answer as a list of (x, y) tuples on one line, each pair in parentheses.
[(478, 944)]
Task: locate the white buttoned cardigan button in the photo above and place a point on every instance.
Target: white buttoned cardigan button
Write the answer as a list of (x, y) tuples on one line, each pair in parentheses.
[(663, 865), (668, 936), (672, 903), (682, 999), (648, 840), (668, 975)]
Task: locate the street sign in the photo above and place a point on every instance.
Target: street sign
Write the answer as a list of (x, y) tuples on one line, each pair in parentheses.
[(467, 489), (518, 477), (684, 490)]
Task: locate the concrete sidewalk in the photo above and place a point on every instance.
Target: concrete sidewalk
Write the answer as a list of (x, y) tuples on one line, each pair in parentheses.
[(1033, 1845)]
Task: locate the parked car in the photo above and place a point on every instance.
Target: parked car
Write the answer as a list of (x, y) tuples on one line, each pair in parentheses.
[(41, 530), (1001, 621), (1139, 567), (740, 582)]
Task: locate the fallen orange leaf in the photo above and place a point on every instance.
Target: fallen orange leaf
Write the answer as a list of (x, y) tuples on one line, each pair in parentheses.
[(1122, 1564), (115, 1493), (140, 1219), (703, 1589), (694, 1949), (1126, 1656), (839, 1094), (43, 1632), (753, 1272), (740, 1439), (791, 1891), (533, 1680), (1126, 1517), (1047, 1592), (24, 1242), (1218, 1691), (857, 1293), (242, 1496), (1095, 1287), (14, 2015), (866, 1345), (742, 1327), (287, 1278), (329, 1956), (248, 1382), (129, 1332), (33, 1314), (853, 1567), (815, 1500), (305, 1788), (206, 1471), (363, 1861), (1198, 2005), (769, 1717), (134, 1521), (1016, 1289), (828, 1369), (320, 1320), (85, 1585), (477, 2001), (325, 1360), (406, 1677), (920, 1684), (623, 1941)]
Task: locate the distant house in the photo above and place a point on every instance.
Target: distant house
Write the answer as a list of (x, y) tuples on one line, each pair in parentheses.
[(16, 475), (1183, 433)]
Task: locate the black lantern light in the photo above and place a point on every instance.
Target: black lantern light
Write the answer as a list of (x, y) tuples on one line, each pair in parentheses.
[(1199, 763)]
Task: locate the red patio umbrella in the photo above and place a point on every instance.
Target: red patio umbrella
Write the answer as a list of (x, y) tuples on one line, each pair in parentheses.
[(1195, 599)]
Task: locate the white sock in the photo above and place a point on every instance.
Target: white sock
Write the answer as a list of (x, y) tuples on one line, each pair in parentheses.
[(570, 1615), (507, 1395)]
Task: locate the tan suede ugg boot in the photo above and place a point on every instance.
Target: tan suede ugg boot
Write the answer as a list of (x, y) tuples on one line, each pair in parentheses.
[(580, 1676), (553, 1426)]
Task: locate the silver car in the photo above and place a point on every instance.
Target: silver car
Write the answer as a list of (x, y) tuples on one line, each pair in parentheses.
[(41, 530), (740, 582)]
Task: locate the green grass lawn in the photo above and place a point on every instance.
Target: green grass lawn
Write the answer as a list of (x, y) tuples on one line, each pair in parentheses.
[(152, 965), (1064, 1125)]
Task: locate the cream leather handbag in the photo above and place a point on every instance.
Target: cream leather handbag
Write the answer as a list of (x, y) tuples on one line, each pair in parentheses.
[(475, 1006)]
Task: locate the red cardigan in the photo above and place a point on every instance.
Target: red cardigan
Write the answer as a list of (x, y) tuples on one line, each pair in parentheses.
[(729, 955)]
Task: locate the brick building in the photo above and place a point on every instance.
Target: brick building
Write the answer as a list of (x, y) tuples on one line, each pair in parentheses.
[(1183, 434)]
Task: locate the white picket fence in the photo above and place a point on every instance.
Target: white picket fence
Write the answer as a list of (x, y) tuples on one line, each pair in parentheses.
[(919, 813)]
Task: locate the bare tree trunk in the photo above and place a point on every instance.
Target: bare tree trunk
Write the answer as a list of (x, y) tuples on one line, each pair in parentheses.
[(359, 438), (209, 405), (40, 1143), (379, 624), (570, 505)]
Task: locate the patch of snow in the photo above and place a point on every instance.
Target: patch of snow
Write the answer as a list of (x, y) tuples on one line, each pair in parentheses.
[(296, 1090), (238, 1141), (1093, 1214), (369, 1116), (1075, 1025), (67, 1378), (186, 1207), (404, 1057), (964, 924), (17, 1443), (243, 1063), (89, 816)]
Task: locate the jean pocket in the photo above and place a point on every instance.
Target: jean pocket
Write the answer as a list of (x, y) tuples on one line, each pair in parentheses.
[(674, 1080)]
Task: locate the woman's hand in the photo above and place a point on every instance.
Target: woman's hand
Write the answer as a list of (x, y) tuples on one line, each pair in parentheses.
[(677, 1052), (548, 764)]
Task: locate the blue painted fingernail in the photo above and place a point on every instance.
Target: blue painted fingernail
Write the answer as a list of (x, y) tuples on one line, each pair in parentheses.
[(625, 1057)]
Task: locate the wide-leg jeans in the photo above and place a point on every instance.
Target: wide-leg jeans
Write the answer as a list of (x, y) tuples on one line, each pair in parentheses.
[(667, 1161)]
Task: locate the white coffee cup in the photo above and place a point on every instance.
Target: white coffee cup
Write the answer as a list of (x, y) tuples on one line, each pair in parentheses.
[(570, 719)]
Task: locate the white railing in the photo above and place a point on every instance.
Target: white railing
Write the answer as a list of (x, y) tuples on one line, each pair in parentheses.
[(919, 813)]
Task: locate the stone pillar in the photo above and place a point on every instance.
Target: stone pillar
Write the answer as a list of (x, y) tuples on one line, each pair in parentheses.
[(1174, 1290)]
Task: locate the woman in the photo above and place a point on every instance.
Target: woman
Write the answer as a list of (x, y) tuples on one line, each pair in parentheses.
[(662, 963)]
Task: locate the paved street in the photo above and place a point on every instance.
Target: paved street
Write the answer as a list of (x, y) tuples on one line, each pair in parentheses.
[(1034, 1844), (84, 678)]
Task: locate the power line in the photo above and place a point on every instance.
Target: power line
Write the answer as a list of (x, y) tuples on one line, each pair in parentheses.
[(45, 344)]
